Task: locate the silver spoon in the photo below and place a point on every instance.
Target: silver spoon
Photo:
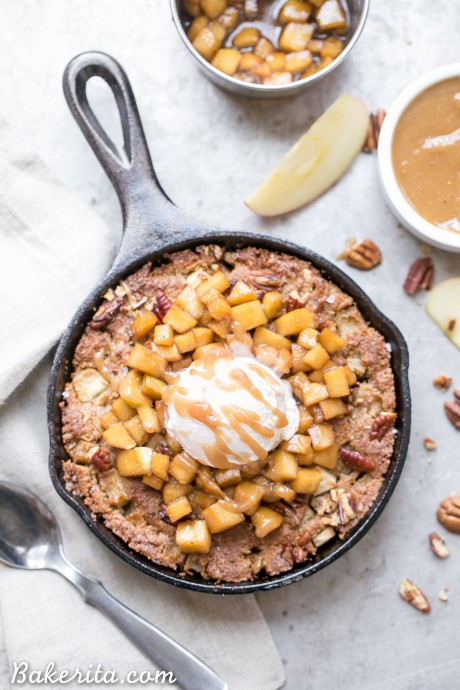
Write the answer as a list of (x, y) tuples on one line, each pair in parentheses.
[(30, 539)]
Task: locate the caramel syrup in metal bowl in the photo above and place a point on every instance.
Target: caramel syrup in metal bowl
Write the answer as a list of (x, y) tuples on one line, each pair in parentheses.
[(426, 154)]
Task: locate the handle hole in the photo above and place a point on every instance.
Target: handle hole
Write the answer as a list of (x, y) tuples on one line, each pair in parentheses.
[(104, 106)]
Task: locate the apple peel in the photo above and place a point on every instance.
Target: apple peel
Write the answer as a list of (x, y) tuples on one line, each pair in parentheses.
[(317, 161), (443, 307)]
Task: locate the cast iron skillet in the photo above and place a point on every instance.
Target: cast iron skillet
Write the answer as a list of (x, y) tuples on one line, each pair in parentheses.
[(153, 225)]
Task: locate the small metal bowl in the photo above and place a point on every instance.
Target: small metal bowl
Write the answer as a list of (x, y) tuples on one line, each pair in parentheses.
[(358, 14)]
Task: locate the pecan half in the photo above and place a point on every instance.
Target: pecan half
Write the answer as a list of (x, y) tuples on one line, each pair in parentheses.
[(162, 305), (105, 314), (356, 461), (101, 459), (414, 596), (294, 301), (438, 545), (164, 449), (363, 255), (443, 382), (381, 425), (452, 410), (429, 443), (375, 125), (347, 508), (449, 514), (419, 276), (266, 281)]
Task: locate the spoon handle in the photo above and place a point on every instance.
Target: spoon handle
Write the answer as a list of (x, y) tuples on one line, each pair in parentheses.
[(190, 672)]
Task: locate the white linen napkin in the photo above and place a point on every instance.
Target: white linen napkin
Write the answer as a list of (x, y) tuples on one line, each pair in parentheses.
[(52, 250)]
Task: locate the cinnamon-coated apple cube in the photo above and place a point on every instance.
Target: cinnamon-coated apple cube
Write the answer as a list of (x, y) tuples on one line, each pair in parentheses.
[(294, 11), (317, 414), (230, 477), (159, 465), (297, 62), (313, 393), (218, 281), (322, 436), (308, 338), (227, 60), (332, 47), (173, 445), (297, 382), (282, 467), (213, 8), (331, 341), (295, 321), (316, 357), (266, 520), (134, 462), (351, 376), (276, 62), (172, 489), (247, 496), (305, 419), (185, 342), (152, 387), (327, 457), (272, 302), (122, 410), (149, 419), (193, 536), (336, 382), (202, 335), (189, 301), (263, 48), (298, 353), (240, 294), (109, 418), (295, 37), (178, 508), (306, 458), (213, 349), (136, 430), (195, 27), (330, 16), (328, 481), (298, 444), (147, 361), (179, 319), (264, 336), (112, 485), (183, 468), (130, 389), (160, 409), (143, 323), (205, 318), (169, 353), (153, 481), (247, 37), (307, 481), (201, 500), (222, 516), (163, 334), (249, 315), (248, 61), (119, 437), (217, 305), (192, 7), (333, 407), (229, 18), (221, 327), (279, 492), (316, 376)]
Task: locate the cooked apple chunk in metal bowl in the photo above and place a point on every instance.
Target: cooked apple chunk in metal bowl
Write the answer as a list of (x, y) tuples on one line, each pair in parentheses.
[(228, 413)]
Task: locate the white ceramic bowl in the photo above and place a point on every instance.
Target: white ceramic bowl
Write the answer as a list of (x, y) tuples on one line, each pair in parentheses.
[(403, 210)]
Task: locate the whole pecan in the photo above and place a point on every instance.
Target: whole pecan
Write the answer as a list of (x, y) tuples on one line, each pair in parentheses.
[(375, 125), (419, 276), (381, 425), (105, 314), (449, 514), (101, 459), (429, 443), (438, 545), (363, 255), (356, 461), (414, 596), (162, 305), (452, 410)]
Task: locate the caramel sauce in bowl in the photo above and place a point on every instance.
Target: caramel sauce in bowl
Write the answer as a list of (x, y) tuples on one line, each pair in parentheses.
[(419, 157)]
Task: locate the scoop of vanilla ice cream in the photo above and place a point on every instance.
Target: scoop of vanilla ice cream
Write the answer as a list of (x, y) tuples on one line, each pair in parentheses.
[(228, 412)]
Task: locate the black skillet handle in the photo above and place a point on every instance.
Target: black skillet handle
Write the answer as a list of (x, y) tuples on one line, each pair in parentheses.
[(150, 219)]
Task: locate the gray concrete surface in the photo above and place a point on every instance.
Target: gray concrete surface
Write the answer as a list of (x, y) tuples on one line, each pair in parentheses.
[(346, 627)]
